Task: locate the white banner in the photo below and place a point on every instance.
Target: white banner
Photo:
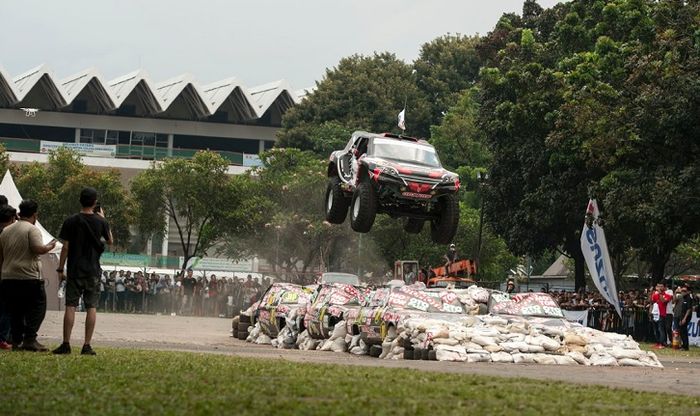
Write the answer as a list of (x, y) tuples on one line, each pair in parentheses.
[(84, 149), (595, 251), (250, 160), (212, 264), (577, 316), (694, 331)]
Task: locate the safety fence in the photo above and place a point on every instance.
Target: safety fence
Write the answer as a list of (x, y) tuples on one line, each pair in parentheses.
[(634, 321)]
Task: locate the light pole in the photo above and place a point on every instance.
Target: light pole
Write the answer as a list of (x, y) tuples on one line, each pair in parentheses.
[(481, 177)]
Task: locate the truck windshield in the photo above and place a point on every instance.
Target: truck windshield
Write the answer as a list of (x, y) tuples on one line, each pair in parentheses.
[(406, 152)]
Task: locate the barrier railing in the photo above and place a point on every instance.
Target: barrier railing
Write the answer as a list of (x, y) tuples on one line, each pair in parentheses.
[(634, 321)]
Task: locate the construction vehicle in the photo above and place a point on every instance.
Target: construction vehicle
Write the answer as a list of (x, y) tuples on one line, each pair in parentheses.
[(460, 274)]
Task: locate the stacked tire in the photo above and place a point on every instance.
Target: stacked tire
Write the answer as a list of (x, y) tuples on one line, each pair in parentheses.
[(243, 325)]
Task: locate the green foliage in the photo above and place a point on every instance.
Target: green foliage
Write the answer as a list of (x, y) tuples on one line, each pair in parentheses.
[(360, 93), (196, 195), (4, 160), (329, 137), (458, 139), (56, 186)]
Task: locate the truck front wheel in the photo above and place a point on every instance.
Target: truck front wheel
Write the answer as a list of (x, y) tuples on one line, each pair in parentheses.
[(336, 202), (363, 208)]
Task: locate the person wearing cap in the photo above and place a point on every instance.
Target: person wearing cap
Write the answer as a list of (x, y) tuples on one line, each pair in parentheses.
[(510, 286), (450, 257), (84, 236)]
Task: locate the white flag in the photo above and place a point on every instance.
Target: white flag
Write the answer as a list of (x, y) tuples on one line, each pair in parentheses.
[(402, 121), (595, 251)]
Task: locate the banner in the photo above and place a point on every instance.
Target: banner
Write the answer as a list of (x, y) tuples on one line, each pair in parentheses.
[(694, 331), (124, 260), (524, 304), (212, 264), (84, 149), (577, 316), (595, 252)]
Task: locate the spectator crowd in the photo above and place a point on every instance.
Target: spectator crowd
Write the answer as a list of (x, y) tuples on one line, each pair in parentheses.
[(653, 314), (182, 294)]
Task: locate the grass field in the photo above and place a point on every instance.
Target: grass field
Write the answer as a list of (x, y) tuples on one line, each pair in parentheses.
[(135, 382)]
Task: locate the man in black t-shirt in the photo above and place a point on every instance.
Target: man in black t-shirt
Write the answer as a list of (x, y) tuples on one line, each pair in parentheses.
[(188, 284), (83, 235)]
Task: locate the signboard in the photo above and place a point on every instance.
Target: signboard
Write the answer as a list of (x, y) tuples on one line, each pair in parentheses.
[(124, 260), (252, 161), (84, 149), (219, 265)]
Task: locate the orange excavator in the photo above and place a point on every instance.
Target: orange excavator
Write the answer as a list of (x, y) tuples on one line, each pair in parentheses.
[(461, 273)]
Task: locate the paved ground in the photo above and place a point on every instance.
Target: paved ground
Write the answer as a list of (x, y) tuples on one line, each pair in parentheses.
[(211, 335)]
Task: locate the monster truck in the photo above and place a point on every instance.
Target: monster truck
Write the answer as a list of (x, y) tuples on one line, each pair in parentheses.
[(395, 175)]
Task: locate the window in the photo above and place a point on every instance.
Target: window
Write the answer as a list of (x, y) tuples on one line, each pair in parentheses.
[(100, 136)]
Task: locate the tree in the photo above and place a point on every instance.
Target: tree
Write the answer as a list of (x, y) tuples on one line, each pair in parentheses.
[(458, 139), (360, 93), (196, 195), (56, 186), (446, 66)]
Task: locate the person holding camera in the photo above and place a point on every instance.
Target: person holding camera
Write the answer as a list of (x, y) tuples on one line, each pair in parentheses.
[(84, 236)]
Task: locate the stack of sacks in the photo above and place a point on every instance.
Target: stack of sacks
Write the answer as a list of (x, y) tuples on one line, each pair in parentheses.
[(336, 342), (256, 336), (356, 345), (474, 299), (504, 339), (305, 342), (287, 337)]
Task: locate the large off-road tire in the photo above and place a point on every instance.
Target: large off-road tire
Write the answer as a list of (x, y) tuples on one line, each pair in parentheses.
[(243, 336), (244, 319), (444, 228), (413, 225), (375, 351), (363, 209), (337, 203), (243, 327)]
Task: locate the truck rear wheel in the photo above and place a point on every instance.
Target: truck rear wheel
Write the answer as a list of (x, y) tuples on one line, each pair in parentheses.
[(444, 228), (336, 202), (363, 208)]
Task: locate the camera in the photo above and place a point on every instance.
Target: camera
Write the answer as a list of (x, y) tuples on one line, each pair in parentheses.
[(98, 208)]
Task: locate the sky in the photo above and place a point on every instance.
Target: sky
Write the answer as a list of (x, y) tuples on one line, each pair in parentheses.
[(256, 41)]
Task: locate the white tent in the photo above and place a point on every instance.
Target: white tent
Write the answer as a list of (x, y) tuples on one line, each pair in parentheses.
[(49, 261)]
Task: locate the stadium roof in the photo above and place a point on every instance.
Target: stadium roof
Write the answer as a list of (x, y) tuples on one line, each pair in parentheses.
[(136, 94)]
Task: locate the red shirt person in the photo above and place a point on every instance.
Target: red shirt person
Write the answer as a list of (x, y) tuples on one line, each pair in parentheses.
[(659, 300)]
